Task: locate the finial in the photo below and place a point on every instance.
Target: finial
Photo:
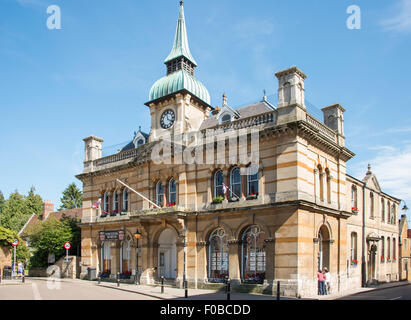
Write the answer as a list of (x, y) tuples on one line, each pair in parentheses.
[(265, 95), (224, 99), (369, 169), (181, 3), (139, 128)]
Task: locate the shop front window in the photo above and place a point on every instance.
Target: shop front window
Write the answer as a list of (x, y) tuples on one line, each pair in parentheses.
[(218, 256), (253, 255)]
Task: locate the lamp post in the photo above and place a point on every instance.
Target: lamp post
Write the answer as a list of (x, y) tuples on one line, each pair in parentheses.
[(137, 236), (184, 270)]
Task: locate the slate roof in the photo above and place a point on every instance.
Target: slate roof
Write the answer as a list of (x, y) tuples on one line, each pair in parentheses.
[(130, 145), (245, 112)]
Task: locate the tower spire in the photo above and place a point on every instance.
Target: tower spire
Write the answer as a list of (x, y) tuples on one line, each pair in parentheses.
[(180, 46)]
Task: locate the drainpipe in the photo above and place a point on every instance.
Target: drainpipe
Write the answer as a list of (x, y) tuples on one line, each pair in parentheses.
[(363, 271)]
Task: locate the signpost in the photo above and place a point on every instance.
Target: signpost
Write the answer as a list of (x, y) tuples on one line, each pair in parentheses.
[(67, 246), (15, 243)]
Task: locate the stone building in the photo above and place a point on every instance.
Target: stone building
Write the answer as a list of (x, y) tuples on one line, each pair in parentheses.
[(404, 262), (5, 258), (285, 214)]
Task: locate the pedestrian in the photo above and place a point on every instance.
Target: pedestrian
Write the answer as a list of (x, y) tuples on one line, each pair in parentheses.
[(327, 279), (320, 277), (19, 269)]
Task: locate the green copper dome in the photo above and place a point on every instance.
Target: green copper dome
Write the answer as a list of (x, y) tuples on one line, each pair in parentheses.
[(178, 81)]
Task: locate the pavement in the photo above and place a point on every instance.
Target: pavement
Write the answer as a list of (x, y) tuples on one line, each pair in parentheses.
[(75, 288)]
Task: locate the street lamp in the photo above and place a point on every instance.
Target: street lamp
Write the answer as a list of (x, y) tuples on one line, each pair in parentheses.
[(184, 270), (137, 236), (404, 208)]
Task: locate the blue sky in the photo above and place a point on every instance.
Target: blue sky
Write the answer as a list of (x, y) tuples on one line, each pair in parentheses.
[(94, 75)]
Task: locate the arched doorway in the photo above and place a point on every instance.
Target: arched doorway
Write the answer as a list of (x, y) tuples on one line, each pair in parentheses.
[(324, 248), (372, 254), (167, 254)]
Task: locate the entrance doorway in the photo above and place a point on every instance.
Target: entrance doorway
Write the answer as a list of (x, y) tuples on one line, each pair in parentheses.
[(372, 253), (167, 254), (324, 248)]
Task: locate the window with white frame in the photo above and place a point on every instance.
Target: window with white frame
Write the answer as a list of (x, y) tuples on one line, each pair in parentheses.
[(160, 194), (235, 183), (115, 202), (252, 181), (218, 184), (172, 192), (105, 202), (125, 200)]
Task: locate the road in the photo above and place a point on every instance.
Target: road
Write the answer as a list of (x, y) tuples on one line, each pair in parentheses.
[(44, 290), (396, 293)]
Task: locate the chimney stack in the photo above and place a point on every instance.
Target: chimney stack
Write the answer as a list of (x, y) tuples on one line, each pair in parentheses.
[(48, 207)]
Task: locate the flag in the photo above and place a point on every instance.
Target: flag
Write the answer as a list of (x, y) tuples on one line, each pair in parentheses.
[(97, 204), (225, 188)]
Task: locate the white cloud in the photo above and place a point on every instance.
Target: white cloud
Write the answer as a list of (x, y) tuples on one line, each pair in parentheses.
[(392, 166), (401, 20)]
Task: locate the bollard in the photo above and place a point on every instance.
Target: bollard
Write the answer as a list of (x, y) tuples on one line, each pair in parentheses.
[(99, 279), (23, 279), (162, 284), (118, 279), (278, 290), (186, 289), (228, 289)]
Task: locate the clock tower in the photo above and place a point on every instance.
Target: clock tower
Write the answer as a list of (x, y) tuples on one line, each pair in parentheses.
[(178, 103)]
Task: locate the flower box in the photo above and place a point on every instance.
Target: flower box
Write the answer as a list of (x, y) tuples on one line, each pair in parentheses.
[(123, 213), (355, 210), (171, 204), (114, 213), (104, 214), (382, 259), (217, 200), (354, 262), (233, 199), (252, 196)]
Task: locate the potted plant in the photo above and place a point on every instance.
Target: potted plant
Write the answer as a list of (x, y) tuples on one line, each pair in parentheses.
[(123, 212), (104, 214), (252, 196), (233, 199), (114, 213), (171, 204), (355, 210), (218, 199), (382, 259), (354, 262)]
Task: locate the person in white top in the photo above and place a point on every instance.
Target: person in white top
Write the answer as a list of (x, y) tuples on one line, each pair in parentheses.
[(327, 276)]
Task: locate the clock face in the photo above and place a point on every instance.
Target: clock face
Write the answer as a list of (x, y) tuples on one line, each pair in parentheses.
[(167, 119)]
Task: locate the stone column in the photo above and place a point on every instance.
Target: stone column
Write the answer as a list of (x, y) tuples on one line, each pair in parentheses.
[(234, 262)]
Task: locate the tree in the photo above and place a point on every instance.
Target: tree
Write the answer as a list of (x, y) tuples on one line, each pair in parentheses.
[(72, 198), (7, 237), (2, 201), (34, 202), (14, 213), (48, 237)]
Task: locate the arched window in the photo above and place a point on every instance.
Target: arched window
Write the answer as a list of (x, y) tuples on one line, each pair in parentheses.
[(125, 257), (226, 118), (394, 249), (328, 177), (253, 255), (125, 200), (105, 202), (382, 210), (218, 256), (235, 182), (159, 194), (382, 249), (115, 202), (354, 204), (389, 249), (354, 248), (252, 182), (172, 192), (388, 211), (371, 205), (218, 184), (393, 214), (321, 177)]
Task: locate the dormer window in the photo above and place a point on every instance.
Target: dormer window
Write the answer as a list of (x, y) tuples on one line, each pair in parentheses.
[(226, 118), (140, 142)]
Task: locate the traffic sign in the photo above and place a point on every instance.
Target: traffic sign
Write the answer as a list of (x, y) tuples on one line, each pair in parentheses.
[(67, 245), (15, 243)]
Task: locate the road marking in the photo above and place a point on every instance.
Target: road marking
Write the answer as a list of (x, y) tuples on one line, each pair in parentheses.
[(36, 292), (396, 298)]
